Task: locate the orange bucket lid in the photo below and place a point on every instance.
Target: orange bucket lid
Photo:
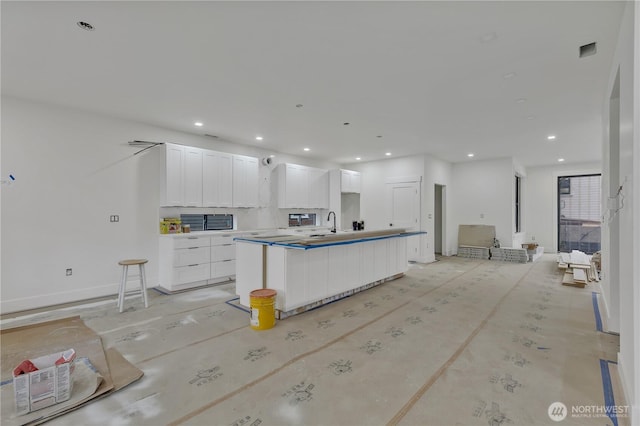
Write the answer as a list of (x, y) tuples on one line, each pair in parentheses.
[(263, 293)]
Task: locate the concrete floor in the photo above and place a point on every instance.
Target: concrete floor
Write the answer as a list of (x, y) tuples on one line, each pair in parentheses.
[(455, 342)]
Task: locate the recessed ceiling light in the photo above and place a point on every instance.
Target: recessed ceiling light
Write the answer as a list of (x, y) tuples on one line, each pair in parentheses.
[(358, 158), (258, 138), (379, 136), (198, 123), (551, 137), (531, 117), (560, 160), (509, 75), (470, 154), (85, 26), (299, 105), (345, 124), (307, 149), (272, 156), (521, 100), (387, 154)]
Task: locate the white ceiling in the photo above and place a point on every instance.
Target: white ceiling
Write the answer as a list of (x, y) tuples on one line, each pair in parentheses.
[(409, 77)]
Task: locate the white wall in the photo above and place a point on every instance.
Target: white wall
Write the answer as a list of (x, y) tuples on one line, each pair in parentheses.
[(73, 170), (484, 195), (373, 207), (541, 201), (623, 296)]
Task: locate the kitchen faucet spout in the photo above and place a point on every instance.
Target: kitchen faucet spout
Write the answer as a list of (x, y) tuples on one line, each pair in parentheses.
[(334, 221)]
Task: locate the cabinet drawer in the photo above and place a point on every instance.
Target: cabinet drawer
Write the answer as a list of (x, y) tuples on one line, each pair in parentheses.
[(221, 240), (187, 242), (186, 274), (226, 268), (191, 256), (225, 252)]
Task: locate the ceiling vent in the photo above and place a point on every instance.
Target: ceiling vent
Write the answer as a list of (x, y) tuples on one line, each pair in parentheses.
[(588, 50)]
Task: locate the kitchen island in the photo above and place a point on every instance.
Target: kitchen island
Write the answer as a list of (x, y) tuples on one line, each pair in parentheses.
[(308, 271)]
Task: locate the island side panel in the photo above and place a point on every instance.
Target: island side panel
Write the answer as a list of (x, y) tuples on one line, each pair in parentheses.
[(318, 266), (276, 273), (249, 269), (344, 269), (381, 259)]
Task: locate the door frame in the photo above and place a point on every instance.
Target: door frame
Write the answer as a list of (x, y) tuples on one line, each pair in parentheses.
[(443, 219), (422, 243), (557, 209)]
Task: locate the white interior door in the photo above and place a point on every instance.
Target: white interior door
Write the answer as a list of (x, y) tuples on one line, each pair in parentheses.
[(403, 201)]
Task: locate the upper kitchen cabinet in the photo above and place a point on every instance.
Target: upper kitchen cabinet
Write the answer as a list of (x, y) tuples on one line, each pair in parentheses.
[(193, 176), (172, 190), (217, 179), (302, 187), (318, 191), (245, 181), (350, 181)]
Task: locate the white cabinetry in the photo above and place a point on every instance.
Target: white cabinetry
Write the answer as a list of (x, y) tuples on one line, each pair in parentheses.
[(351, 181), (318, 190), (223, 256), (245, 181), (301, 187), (194, 260), (184, 261), (172, 192), (305, 277), (195, 177), (217, 178)]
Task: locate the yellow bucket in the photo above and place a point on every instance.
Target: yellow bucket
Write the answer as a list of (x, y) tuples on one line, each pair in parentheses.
[(263, 313)]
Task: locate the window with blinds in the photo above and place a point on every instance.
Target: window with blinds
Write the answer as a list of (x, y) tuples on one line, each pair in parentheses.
[(579, 213)]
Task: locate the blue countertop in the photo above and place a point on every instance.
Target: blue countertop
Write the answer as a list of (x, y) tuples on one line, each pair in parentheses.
[(308, 243)]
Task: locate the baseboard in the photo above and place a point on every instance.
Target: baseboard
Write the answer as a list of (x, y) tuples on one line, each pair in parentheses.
[(51, 299), (634, 409)]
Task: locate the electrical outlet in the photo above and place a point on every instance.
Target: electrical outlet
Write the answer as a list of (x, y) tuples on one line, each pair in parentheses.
[(69, 272), (533, 238), (114, 218), (481, 215)]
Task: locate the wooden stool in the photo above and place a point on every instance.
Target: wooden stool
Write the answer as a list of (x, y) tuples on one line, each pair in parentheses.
[(123, 283)]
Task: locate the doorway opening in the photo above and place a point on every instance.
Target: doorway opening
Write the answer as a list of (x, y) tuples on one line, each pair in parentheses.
[(579, 213), (439, 215)]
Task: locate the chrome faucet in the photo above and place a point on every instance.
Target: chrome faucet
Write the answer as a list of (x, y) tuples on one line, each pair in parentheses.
[(334, 221)]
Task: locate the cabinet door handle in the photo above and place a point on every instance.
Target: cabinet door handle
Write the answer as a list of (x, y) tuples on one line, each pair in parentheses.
[(195, 264), (228, 260), (191, 248)]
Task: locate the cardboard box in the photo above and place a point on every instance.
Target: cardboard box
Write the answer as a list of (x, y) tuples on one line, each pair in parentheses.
[(43, 381)]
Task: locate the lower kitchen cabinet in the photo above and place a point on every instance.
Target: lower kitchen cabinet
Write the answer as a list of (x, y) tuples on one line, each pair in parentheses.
[(188, 261)]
